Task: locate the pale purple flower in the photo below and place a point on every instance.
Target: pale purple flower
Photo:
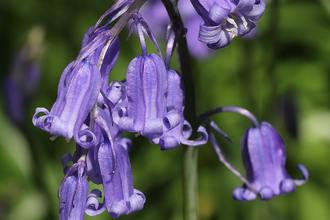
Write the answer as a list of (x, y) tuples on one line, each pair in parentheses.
[(225, 19), (78, 90), (263, 154), (146, 80), (146, 89), (112, 166), (77, 93), (119, 193), (177, 130), (175, 104), (73, 191)]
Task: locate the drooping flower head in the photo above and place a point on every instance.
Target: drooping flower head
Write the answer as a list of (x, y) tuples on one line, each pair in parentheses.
[(263, 154), (174, 107), (77, 93), (79, 88), (111, 161), (119, 193), (225, 19), (73, 191), (176, 129), (146, 89)]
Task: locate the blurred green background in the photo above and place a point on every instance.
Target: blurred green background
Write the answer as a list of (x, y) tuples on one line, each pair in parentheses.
[(286, 66)]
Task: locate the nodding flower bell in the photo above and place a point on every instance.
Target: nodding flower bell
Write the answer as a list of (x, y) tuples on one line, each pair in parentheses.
[(73, 191), (120, 197), (112, 163), (263, 154), (77, 92), (225, 19), (119, 193), (146, 89), (177, 130), (175, 104)]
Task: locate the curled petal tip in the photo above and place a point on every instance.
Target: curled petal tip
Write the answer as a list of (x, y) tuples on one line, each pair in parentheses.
[(168, 142), (266, 193), (93, 207), (287, 186), (199, 141), (243, 195), (305, 173)]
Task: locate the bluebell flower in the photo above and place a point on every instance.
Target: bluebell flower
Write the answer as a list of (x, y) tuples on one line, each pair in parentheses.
[(263, 154), (93, 168), (77, 93), (174, 105), (111, 161), (225, 19), (73, 191), (146, 80), (79, 89), (119, 193), (120, 197), (146, 88), (177, 130)]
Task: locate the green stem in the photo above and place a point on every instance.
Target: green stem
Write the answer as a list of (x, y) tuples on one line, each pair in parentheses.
[(190, 154), (189, 182)]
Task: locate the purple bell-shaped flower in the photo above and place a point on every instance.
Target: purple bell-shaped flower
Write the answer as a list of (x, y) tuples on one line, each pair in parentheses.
[(146, 89), (177, 130), (225, 19), (114, 169), (77, 93), (73, 191), (263, 154), (119, 193)]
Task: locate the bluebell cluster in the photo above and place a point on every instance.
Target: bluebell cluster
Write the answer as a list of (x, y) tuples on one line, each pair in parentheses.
[(150, 102)]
